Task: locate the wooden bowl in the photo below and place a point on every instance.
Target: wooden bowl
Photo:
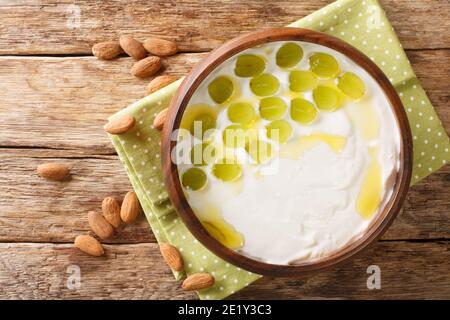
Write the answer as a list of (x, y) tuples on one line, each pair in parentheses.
[(180, 101)]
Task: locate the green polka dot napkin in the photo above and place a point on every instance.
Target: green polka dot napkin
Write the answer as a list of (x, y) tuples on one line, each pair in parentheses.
[(361, 23)]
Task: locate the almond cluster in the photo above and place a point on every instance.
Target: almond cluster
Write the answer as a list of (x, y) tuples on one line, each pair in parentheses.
[(112, 217), (103, 224), (146, 66)]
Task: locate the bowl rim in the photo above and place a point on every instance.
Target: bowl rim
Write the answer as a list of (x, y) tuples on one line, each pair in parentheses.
[(180, 101)]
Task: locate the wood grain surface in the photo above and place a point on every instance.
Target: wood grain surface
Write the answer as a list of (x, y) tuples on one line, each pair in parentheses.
[(55, 98), (52, 27), (137, 271)]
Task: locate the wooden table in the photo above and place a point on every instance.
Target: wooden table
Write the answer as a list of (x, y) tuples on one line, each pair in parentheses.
[(55, 98)]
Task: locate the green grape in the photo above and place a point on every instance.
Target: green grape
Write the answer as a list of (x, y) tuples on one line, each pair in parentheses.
[(327, 98), (198, 119), (194, 179), (241, 112), (279, 130), (202, 154), (221, 89), (301, 81), (289, 55), (227, 170), (264, 85), (272, 108), (351, 85), (303, 111), (324, 65), (259, 150), (206, 121), (234, 136), (249, 65)]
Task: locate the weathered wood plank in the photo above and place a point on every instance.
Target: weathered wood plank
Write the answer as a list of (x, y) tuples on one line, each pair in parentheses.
[(39, 271), (63, 102), (36, 210), (33, 209), (65, 27)]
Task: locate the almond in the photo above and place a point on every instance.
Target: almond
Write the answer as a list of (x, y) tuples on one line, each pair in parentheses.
[(120, 124), (159, 83), (99, 225), (160, 119), (130, 208), (172, 256), (111, 211), (160, 47), (53, 171), (132, 47), (106, 50), (198, 281), (89, 245), (146, 67)]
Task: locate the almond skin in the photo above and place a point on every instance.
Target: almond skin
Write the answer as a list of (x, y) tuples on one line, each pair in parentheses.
[(160, 47), (53, 171), (120, 124), (111, 211), (146, 67), (159, 83), (130, 208), (89, 245), (99, 225), (160, 119), (106, 50), (172, 256), (198, 281), (132, 47)]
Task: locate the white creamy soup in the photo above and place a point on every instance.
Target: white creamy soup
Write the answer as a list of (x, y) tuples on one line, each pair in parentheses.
[(311, 148)]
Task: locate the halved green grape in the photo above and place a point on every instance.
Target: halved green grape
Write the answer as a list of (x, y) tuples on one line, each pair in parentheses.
[(194, 179), (327, 98), (279, 130), (301, 81), (202, 154), (324, 65), (289, 55), (198, 119), (351, 85), (303, 111), (227, 169), (221, 89), (234, 136), (264, 85), (272, 108), (241, 112), (249, 65), (259, 150)]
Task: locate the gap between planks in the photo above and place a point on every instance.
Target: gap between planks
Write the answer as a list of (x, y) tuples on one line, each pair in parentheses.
[(125, 243)]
